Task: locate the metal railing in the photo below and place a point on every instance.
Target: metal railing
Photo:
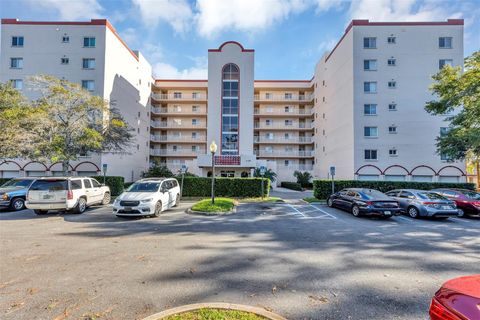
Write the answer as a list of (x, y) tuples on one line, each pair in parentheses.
[(283, 140), (172, 138), (294, 112), (180, 97), (171, 124), (279, 153), (157, 110), (283, 126), (171, 153), (283, 97)]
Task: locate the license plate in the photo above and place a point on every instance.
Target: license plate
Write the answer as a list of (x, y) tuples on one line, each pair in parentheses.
[(387, 212), (127, 209), (446, 207), (47, 196)]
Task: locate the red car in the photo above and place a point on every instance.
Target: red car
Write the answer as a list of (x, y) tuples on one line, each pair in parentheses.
[(468, 201), (457, 299)]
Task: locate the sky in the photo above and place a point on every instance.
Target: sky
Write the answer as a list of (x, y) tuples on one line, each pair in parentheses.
[(289, 36)]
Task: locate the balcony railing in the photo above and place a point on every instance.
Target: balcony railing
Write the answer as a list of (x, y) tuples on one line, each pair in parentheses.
[(171, 124), (294, 126), (179, 97), (283, 140), (281, 112), (293, 167), (284, 97), (280, 154), (172, 138), (178, 153), (173, 111)]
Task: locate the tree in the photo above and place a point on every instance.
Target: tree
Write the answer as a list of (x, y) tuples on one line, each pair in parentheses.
[(63, 123), (303, 178), (158, 171), (269, 174), (459, 94)]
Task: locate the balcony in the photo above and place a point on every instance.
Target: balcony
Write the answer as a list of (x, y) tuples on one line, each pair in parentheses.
[(282, 112), (170, 124), (237, 161), (177, 153), (294, 126), (298, 98), (295, 167), (179, 97), (172, 138), (295, 140), (171, 111), (283, 154)]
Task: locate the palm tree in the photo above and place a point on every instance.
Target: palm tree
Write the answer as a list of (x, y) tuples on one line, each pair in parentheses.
[(269, 174), (303, 178)]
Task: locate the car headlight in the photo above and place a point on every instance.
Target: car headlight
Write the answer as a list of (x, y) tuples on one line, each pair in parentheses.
[(146, 200), (5, 196), (117, 200)]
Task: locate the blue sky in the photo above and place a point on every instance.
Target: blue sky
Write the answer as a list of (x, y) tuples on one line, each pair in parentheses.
[(289, 36)]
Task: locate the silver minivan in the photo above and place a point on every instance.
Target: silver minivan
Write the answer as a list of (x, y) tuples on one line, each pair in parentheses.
[(422, 203)]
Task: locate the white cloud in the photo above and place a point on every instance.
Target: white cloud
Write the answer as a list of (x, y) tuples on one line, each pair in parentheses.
[(177, 13), (167, 71), (70, 10), (402, 10)]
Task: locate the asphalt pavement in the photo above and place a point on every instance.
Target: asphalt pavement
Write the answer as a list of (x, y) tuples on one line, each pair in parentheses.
[(302, 261)]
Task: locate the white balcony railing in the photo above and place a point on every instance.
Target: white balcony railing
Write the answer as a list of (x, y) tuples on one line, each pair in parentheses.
[(171, 124), (157, 110), (293, 167), (280, 154), (282, 112), (180, 97), (283, 140), (293, 126), (172, 138), (284, 97), (172, 153)]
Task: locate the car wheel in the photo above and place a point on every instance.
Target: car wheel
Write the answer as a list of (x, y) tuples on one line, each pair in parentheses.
[(17, 204), (40, 212), (461, 213), (177, 200), (106, 198), (158, 209), (413, 212), (81, 206), (330, 202), (356, 211)]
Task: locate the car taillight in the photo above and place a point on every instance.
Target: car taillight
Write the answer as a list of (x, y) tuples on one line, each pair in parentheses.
[(476, 203), (69, 195), (439, 312)]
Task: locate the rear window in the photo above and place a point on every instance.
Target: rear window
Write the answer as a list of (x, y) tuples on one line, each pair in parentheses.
[(50, 185), (374, 194), (431, 196)]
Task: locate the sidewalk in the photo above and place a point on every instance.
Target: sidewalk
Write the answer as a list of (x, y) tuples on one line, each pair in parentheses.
[(290, 194)]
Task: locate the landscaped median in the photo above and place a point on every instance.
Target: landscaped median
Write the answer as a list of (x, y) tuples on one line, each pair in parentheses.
[(219, 207)]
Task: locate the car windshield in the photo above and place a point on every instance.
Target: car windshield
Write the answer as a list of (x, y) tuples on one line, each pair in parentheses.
[(374, 194), (50, 185), (431, 196), (17, 183), (471, 195), (144, 187)]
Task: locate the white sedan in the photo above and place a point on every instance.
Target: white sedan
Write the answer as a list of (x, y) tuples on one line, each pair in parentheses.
[(147, 197)]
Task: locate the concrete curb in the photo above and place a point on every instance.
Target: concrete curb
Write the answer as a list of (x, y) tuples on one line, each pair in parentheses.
[(203, 213), (216, 305)]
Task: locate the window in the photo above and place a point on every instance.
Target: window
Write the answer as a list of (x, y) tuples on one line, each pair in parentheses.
[(89, 42), (16, 63), (288, 122), (17, 41), (370, 43), (194, 95), (288, 109), (76, 184), (174, 148), (268, 95), (268, 122), (370, 65), (443, 62), (17, 83), (370, 131), (286, 163), (392, 107), (288, 96), (445, 42), (177, 108), (287, 136), (95, 183), (370, 87), (87, 183), (194, 148), (392, 152), (194, 122), (392, 62), (370, 109), (88, 63), (370, 154), (88, 85), (194, 135), (64, 60), (177, 95), (65, 39), (194, 108), (392, 129), (392, 84), (229, 110), (391, 40)]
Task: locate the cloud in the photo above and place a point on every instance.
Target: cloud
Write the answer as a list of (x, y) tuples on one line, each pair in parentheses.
[(177, 13), (70, 10), (163, 70)]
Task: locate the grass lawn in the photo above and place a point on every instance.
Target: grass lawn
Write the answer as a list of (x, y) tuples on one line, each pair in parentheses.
[(221, 205), (259, 199), (215, 314), (312, 199)]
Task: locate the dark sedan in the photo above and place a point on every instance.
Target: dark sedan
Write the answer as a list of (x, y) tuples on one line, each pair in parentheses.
[(468, 201), (364, 202)]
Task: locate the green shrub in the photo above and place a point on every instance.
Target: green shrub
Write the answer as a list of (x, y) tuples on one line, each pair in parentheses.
[(303, 178), (225, 187), (291, 185), (115, 183), (323, 188), (220, 205)]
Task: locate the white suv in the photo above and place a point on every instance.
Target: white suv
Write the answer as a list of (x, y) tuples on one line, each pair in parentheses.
[(69, 193), (148, 197)]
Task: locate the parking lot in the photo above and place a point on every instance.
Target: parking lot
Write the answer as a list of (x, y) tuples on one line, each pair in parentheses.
[(303, 261)]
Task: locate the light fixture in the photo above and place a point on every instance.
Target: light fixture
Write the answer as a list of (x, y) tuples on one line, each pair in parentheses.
[(213, 147)]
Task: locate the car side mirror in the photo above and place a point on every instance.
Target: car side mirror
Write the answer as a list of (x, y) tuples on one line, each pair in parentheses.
[(163, 190)]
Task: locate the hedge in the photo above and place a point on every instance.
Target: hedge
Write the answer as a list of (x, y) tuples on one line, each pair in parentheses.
[(225, 187), (323, 188), (115, 183), (291, 185)]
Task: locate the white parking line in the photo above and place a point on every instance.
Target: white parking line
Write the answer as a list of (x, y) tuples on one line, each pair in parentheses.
[(296, 210), (323, 211)]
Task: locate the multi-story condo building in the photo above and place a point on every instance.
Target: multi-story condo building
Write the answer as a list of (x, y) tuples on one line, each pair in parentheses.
[(91, 54), (362, 111)]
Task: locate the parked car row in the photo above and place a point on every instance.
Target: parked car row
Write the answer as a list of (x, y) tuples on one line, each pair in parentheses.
[(437, 203)]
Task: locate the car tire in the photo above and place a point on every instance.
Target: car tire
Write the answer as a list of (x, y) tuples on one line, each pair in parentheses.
[(40, 212), (330, 202), (81, 206), (461, 213), (177, 200), (17, 204), (413, 212), (106, 198), (356, 211), (158, 209)]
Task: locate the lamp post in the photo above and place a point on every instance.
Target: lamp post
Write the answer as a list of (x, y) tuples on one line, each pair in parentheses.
[(213, 149)]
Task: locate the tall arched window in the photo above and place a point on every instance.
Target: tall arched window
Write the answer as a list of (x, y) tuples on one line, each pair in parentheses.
[(230, 111)]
